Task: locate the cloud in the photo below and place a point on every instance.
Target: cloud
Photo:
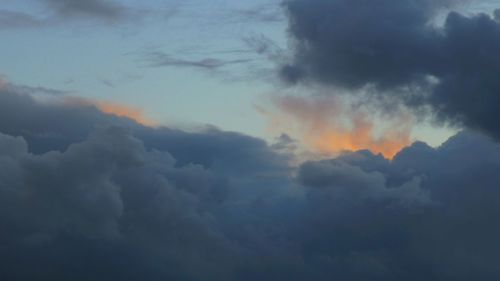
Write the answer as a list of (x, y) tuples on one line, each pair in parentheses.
[(159, 59), (6, 85), (263, 45), (397, 51), (386, 220), (55, 12), (328, 125), (135, 114), (86, 195), (15, 19), (108, 193), (95, 8), (231, 65)]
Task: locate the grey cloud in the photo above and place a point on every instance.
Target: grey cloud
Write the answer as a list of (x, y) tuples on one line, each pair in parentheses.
[(109, 199), (42, 125), (103, 189), (6, 86), (87, 201), (394, 47), (102, 197), (403, 219)]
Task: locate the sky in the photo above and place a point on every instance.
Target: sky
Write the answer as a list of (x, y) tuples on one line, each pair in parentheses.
[(148, 56), (119, 60), (249, 140)]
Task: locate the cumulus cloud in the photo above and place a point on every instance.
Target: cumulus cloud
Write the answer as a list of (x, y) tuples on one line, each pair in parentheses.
[(396, 48), (100, 191), (87, 195), (385, 220)]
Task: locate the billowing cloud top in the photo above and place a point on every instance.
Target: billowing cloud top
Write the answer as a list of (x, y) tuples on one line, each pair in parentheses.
[(396, 47), (87, 195)]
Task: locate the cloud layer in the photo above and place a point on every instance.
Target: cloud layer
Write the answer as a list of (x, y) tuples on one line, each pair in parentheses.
[(396, 49), (90, 195)]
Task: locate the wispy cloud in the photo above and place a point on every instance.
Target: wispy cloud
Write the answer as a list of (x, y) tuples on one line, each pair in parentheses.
[(16, 19), (40, 90), (109, 10), (5, 84), (267, 13), (56, 12), (160, 59)]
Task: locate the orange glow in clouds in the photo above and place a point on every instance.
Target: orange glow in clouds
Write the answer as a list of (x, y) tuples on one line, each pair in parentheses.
[(328, 127), (117, 109), (124, 111), (359, 136)]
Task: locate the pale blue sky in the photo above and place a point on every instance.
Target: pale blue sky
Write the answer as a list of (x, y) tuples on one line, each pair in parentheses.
[(108, 61)]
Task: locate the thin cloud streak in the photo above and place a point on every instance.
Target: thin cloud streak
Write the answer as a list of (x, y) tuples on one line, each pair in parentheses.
[(159, 59)]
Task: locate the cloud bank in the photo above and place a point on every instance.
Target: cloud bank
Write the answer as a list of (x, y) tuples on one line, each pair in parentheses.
[(88, 195), (398, 51)]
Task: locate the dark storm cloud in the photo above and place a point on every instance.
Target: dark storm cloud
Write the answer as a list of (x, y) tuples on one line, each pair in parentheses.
[(354, 43), (106, 191), (109, 200), (85, 195), (395, 45), (55, 125), (421, 216)]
